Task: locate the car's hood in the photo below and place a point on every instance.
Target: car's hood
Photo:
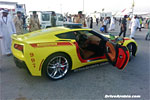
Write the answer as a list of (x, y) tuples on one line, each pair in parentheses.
[(108, 36)]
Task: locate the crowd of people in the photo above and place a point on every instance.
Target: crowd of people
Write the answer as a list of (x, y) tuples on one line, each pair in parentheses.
[(9, 26), (134, 24), (16, 25)]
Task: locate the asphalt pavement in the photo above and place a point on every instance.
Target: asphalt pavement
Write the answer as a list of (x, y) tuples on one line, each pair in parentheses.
[(93, 83)]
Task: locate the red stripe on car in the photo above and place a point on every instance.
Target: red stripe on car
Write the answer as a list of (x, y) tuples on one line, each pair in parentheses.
[(84, 61), (63, 43), (50, 44), (41, 64), (127, 39)]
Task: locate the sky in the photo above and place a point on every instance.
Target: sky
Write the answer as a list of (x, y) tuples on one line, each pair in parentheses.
[(73, 6)]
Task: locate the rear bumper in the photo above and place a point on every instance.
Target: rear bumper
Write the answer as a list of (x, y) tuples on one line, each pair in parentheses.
[(19, 63)]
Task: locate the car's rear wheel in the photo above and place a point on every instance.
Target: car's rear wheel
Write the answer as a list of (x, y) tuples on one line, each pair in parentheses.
[(57, 66)]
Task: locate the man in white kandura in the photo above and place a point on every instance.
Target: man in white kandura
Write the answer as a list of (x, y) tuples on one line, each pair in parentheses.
[(112, 24), (134, 25), (7, 28)]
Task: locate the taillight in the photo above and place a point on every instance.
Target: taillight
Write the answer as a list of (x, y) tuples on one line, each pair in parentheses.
[(18, 47)]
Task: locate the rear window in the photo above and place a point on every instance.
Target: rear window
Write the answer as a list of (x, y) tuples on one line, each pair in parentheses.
[(45, 17), (68, 35)]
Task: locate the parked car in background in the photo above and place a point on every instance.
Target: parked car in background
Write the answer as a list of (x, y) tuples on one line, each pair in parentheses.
[(45, 19)]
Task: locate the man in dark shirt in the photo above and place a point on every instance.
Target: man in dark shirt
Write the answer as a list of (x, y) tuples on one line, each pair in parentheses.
[(53, 19), (123, 26)]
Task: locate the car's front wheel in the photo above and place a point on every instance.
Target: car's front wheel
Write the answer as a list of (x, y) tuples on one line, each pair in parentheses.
[(132, 49), (57, 66)]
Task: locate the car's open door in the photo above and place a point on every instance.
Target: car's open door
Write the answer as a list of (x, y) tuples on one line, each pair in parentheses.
[(117, 54)]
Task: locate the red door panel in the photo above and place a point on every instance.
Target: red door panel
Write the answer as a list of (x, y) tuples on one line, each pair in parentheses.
[(116, 54), (122, 58)]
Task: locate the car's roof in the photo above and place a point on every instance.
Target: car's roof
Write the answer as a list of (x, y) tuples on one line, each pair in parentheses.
[(46, 33), (55, 30)]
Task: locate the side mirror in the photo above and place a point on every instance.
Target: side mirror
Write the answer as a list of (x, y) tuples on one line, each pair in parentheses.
[(112, 37), (116, 40)]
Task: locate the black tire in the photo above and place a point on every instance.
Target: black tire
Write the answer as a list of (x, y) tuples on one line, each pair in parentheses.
[(132, 50), (57, 66)]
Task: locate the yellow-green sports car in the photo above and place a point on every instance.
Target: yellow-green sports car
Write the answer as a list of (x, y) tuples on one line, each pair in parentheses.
[(55, 51)]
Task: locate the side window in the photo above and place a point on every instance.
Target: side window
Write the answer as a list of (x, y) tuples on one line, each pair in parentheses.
[(88, 33), (68, 35), (45, 17), (60, 18)]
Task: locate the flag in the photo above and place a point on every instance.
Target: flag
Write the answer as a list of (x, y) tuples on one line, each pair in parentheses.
[(103, 9), (123, 10), (133, 4)]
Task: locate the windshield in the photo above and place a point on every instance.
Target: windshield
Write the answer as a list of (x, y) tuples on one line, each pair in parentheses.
[(45, 17)]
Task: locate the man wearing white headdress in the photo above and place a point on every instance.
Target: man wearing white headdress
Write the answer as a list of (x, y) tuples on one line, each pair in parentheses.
[(7, 28), (112, 24), (134, 25)]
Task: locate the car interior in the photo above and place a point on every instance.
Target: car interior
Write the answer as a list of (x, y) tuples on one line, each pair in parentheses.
[(90, 46)]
